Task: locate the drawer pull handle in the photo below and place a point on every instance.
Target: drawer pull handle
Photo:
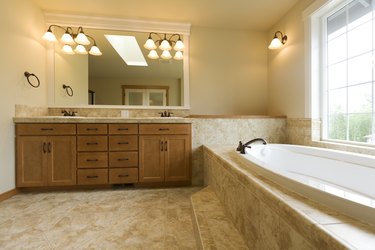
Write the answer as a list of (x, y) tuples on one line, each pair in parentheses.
[(123, 175), (163, 129), (91, 160), (91, 129), (92, 143), (162, 146), (46, 129), (166, 146), (49, 147), (92, 176), (123, 143), (123, 159), (44, 147), (122, 129)]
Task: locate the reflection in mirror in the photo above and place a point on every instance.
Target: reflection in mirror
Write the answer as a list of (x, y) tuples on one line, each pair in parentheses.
[(99, 79)]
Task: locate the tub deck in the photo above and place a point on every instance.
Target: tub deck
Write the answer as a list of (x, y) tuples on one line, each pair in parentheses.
[(274, 215)]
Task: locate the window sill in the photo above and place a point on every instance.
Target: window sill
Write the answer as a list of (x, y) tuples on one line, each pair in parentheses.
[(350, 147)]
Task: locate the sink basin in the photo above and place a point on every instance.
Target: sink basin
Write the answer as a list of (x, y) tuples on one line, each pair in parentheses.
[(57, 116)]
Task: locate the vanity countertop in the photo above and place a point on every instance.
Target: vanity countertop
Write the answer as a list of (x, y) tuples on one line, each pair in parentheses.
[(81, 119)]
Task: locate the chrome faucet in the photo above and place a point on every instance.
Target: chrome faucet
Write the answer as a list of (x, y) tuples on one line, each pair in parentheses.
[(241, 146)]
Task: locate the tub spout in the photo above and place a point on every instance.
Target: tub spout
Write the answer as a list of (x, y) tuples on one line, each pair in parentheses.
[(241, 146)]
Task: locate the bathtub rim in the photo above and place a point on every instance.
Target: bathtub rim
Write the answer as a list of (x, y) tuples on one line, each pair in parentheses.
[(354, 210)]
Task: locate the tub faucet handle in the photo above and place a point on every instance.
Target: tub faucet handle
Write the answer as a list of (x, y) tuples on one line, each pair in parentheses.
[(240, 145)]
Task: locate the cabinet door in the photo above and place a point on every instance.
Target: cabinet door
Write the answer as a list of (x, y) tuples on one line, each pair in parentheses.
[(151, 159), (61, 160), (177, 157), (31, 161)]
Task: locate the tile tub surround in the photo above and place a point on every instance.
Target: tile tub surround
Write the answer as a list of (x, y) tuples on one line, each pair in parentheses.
[(113, 219), (212, 227), (271, 217), (302, 131), (229, 131)]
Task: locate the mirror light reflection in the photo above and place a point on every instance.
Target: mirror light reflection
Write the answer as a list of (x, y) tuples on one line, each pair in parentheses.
[(100, 80)]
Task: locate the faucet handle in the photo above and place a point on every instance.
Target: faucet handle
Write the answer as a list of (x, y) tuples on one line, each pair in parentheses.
[(239, 146), (161, 114)]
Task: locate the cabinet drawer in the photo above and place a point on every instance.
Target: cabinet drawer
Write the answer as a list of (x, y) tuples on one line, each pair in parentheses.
[(92, 176), (92, 160), (123, 175), (45, 129), (123, 142), (92, 129), (164, 129), (123, 129), (123, 159), (92, 143)]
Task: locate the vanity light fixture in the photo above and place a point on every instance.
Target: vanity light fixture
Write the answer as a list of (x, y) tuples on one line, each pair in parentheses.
[(164, 43), (277, 42), (70, 38)]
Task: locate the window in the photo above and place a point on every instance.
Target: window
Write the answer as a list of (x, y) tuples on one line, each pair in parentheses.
[(145, 95), (349, 76)]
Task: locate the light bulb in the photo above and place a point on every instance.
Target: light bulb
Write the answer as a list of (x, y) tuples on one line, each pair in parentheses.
[(49, 36), (275, 43), (67, 39), (153, 54), (165, 45), (82, 39), (67, 49), (178, 56), (150, 44), (80, 49), (95, 51), (179, 46), (166, 55)]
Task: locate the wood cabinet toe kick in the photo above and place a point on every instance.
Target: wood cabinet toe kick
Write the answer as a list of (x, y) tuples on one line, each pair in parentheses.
[(55, 154)]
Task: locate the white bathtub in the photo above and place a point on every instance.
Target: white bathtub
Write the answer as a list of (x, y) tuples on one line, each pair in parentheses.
[(340, 180)]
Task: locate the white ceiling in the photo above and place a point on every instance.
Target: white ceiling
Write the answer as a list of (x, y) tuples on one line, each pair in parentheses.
[(241, 14)]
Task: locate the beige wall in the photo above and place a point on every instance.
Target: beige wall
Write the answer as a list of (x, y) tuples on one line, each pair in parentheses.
[(21, 25), (109, 91), (228, 71), (286, 67), (71, 70)]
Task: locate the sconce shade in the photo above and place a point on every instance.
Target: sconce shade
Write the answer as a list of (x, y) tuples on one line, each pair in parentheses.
[(178, 55), (150, 44), (153, 54), (67, 39), (82, 39), (80, 49), (179, 46), (164, 45), (277, 42), (49, 36), (67, 49), (166, 55), (95, 51)]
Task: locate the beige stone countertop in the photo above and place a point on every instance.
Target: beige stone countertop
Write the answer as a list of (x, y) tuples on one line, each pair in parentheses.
[(81, 119)]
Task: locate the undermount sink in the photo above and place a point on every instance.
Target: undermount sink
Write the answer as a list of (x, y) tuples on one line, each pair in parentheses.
[(57, 116)]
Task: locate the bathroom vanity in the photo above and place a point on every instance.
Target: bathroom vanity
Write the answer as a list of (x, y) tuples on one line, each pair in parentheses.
[(93, 151)]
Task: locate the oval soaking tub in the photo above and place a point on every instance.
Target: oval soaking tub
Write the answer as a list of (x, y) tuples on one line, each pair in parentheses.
[(340, 180)]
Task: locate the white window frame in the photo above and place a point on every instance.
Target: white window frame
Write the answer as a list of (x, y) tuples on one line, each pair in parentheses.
[(315, 17)]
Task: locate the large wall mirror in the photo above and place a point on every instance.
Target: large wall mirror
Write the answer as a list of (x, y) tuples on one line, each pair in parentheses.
[(101, 80)]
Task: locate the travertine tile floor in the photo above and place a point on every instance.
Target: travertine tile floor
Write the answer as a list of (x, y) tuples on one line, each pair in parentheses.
[(109, 219)]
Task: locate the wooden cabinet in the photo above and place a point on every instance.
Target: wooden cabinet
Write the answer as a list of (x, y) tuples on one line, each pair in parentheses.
[(123, 153), (45, 160), (163, 155), (92, 146)]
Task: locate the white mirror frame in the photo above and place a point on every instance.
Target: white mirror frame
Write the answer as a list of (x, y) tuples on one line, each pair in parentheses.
[(95, 22)]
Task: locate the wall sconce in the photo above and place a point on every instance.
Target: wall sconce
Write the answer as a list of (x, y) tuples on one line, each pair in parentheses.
[(69, 38), (277, 42), (165, 45)]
